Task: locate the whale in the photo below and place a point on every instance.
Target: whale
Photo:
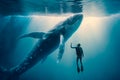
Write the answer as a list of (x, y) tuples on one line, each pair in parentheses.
[(48, 42)]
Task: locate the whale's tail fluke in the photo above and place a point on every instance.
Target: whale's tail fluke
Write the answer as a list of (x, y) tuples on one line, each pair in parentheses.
[(7, 75)]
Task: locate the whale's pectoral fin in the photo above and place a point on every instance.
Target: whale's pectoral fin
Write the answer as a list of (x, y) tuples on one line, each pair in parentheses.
[(61, 48), (33, 35)]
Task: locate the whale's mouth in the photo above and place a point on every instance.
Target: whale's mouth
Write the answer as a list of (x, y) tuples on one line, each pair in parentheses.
[(73, 24), (74, 19)]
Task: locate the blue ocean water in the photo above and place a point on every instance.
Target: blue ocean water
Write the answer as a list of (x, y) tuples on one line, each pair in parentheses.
[(98, 35)]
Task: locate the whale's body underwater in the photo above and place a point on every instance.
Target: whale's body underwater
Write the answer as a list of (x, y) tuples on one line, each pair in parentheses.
[(48, 42)]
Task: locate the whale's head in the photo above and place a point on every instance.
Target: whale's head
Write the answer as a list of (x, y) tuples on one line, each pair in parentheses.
[(71, 25)]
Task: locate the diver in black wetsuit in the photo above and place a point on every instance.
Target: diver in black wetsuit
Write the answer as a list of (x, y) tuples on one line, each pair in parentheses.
[(80, 54)]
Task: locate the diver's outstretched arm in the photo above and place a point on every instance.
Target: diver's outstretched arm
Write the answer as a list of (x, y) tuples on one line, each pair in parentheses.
[(72, 46)]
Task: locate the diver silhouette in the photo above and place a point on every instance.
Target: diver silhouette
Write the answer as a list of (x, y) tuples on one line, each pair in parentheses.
[(80, 54)]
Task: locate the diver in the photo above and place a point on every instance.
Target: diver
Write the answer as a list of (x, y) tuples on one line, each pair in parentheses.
[(80, 54)]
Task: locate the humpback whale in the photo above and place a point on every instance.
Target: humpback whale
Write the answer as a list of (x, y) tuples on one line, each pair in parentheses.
[(48, 42)]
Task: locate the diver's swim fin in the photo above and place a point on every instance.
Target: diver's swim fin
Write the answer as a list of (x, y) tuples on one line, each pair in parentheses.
[(7, 75), (78, 69), (82, 69)]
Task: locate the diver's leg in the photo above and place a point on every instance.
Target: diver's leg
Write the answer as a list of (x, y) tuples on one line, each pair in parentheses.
[(81, 64), (78, 69)]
